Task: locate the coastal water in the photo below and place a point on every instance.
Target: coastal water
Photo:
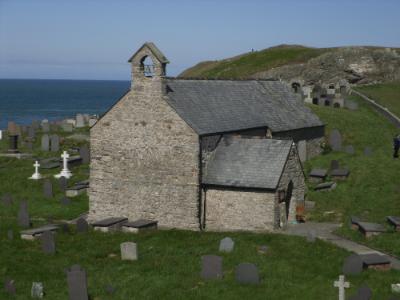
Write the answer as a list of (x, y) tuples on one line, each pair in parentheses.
[(25, 100)]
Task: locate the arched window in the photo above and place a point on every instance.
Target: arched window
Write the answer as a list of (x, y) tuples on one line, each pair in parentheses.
[(147, 66)]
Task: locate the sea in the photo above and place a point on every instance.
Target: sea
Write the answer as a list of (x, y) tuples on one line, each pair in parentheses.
[(26, 100)]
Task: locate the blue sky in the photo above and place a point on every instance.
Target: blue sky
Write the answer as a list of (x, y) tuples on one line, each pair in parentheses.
[(93, 39)]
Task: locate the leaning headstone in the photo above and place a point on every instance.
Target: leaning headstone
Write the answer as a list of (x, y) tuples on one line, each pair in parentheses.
[(48, 189), (353, 265), (37, 290), (211, 267), (63, 183), (9, 286), (77, 283), (45, 144), (7, 200), (334, 165), (226, 245), (48, 243), (367, 151), (84, 154), (247, 273), (349, 149), (129, 251), (335, 140), (55, 143), (80, 122), (23, 215), (82, 226)]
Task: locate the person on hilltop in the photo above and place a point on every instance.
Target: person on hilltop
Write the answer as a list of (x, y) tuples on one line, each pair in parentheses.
[(396, 146)]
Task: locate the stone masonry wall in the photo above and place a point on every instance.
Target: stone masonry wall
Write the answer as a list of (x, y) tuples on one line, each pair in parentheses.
[(314, 147), (238, 210), (145, 158), (292, 172)]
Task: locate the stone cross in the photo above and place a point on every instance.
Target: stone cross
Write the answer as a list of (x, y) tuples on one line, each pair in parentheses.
[(341, 284), (36, 175), (64, 172)]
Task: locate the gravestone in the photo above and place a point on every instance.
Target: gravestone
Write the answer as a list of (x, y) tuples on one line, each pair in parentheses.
[(9, 286), (65, 201), (110, 289), (211, 267), (334, 165), (37, 290), (77, 283), (65, 228), (48, 189), (67, 127), (367, 151), (351, 105), (84, 154), (13, 144), (29, 145), (48, 243), (129, 251), (80, 122), (55, 143), (352, 265), (45, 144), (82, 226), (363, 293), (311, 236), (63, 183), (23, 215), (12, 128), (7, 200), (226, 245), (247, 273), (31, 132), (349, 149), (86, 118), (10, 234), (35, 125), (335, 140), (262, 249), (45, 127)]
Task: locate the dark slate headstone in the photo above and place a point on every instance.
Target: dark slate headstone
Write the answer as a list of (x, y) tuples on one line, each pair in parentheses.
[(63, 183), (23, 215), (318, 173), (335, 140), (65, 201), (84, 154), (334, 164), (45, 144), (77, 283), (7, 200), (211, 267), (326, 186), (65, 228), (10, 234), (352, 265), (48, 188), (340, 173), (48, 243), (55, 143), (367, 151), (9, 286), (363, 293), (349, 149), (247, 273), (82, 225)]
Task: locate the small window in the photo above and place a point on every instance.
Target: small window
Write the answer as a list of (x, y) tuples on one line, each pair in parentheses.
[(147, 66)]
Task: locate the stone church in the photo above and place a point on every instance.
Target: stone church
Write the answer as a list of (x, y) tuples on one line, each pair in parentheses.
[(201, 154)]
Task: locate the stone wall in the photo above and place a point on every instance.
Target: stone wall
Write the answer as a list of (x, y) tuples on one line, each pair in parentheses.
[(235, 210), (293, 171), (145, 159), (314, 147)]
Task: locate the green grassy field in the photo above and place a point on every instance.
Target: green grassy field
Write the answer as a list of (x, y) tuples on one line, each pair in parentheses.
[(372, 191), (387, 94), (247, 64)]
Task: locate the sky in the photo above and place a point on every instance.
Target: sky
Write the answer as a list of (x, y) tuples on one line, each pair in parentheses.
[(93, 39)]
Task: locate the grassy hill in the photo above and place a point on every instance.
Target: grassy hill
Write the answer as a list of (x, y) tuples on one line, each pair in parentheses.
[(243, 66), (387, 94)]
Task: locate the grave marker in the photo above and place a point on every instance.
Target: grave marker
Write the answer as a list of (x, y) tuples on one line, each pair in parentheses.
[(334, 165), (36, 175), (226, 245), (55, 143), (48, 189), (7, 200), (45, 143), (349, 149), (63, 183), (352, 265), (335, 140), (341, 284), (84, 154), (9, 286), (129, 251), (82, 226), (64, 172), (37, 290), (247, 273), (211, 267), (10, 234), (23, 215), (48, 243), (363, 293), (77, 283), (80, 122)]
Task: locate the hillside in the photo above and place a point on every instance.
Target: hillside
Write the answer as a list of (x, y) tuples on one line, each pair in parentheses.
[(307, 65)]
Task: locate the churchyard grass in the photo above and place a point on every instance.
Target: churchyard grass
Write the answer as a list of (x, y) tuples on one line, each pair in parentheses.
[(372, 190), (386, 94)]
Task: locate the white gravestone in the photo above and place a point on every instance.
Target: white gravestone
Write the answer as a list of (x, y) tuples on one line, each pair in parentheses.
[(36, 175), (80, 121), (64, 172), (341, 285), (226, 245), (129, 251), (1, 135)]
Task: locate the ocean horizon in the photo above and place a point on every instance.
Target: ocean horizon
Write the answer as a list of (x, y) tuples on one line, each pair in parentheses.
[(26, 100)]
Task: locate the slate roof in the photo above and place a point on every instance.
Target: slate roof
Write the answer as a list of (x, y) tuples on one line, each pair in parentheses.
[(250, 163), (216, 106), (156, 52)]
